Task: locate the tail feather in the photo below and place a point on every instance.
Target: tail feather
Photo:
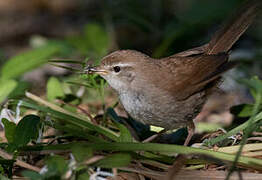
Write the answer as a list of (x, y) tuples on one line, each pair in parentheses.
[(232, 29)]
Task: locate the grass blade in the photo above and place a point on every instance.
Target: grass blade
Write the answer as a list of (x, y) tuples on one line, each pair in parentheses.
[(160, 148)]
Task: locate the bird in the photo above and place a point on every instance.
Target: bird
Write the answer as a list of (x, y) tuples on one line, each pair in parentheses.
[(170, 92)]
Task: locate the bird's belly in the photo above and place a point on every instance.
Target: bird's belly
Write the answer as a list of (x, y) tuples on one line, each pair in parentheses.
[(167, 113)]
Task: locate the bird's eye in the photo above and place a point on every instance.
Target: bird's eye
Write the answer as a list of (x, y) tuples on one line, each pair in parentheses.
[(116, 69)]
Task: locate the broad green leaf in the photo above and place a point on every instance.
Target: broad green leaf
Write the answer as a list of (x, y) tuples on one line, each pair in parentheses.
[(83, 176), (81, 153), (242, 110), (56, 166), (94, 41), (27, 61), (26, 130), (115, 160), (97, 38), (3, 177), (32, 175), (9, 130), (54, 89), (19, 90), (6, 87), (255, 85)]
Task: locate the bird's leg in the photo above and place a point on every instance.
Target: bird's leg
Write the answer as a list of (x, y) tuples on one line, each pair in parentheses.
[(190, 132), (181, 158)]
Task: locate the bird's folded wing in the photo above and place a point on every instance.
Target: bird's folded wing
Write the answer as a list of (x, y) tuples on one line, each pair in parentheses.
[(192, 74)]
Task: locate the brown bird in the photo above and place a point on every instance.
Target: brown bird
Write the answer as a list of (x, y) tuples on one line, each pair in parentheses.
[(171, 91)]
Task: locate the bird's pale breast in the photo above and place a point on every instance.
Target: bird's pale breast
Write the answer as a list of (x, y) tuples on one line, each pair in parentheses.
[(162, 111)]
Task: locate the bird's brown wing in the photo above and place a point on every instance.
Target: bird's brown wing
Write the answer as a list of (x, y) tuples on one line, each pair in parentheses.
[(185, 76)]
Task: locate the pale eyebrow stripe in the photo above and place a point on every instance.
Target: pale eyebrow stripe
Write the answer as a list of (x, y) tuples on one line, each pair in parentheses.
[(123, 64)]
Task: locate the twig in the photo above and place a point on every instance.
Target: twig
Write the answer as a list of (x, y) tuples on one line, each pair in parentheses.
[(18, 162), (115, 172), (257, 133), (93, 159), (254, 139), (151, 174)]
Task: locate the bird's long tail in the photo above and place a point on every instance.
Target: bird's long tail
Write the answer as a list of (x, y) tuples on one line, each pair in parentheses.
[(233, 28)]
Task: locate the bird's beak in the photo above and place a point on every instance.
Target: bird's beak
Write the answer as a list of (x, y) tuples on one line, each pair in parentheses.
[(95, 70)]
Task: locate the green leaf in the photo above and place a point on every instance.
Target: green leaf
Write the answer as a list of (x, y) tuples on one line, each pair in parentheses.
[(32, 175), (81, 122), (7, 86), (159, 149), (125, 135), (72, 99), (94, 41), (56, 166), (207, 127), (54, 89), (81, 153), (255, 85), (242, 110), (3, 177), (97, 38), (19, 90), (9, 130), (26, 130), (27, 61), (115, 160), (83, 176), (241, 127)]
